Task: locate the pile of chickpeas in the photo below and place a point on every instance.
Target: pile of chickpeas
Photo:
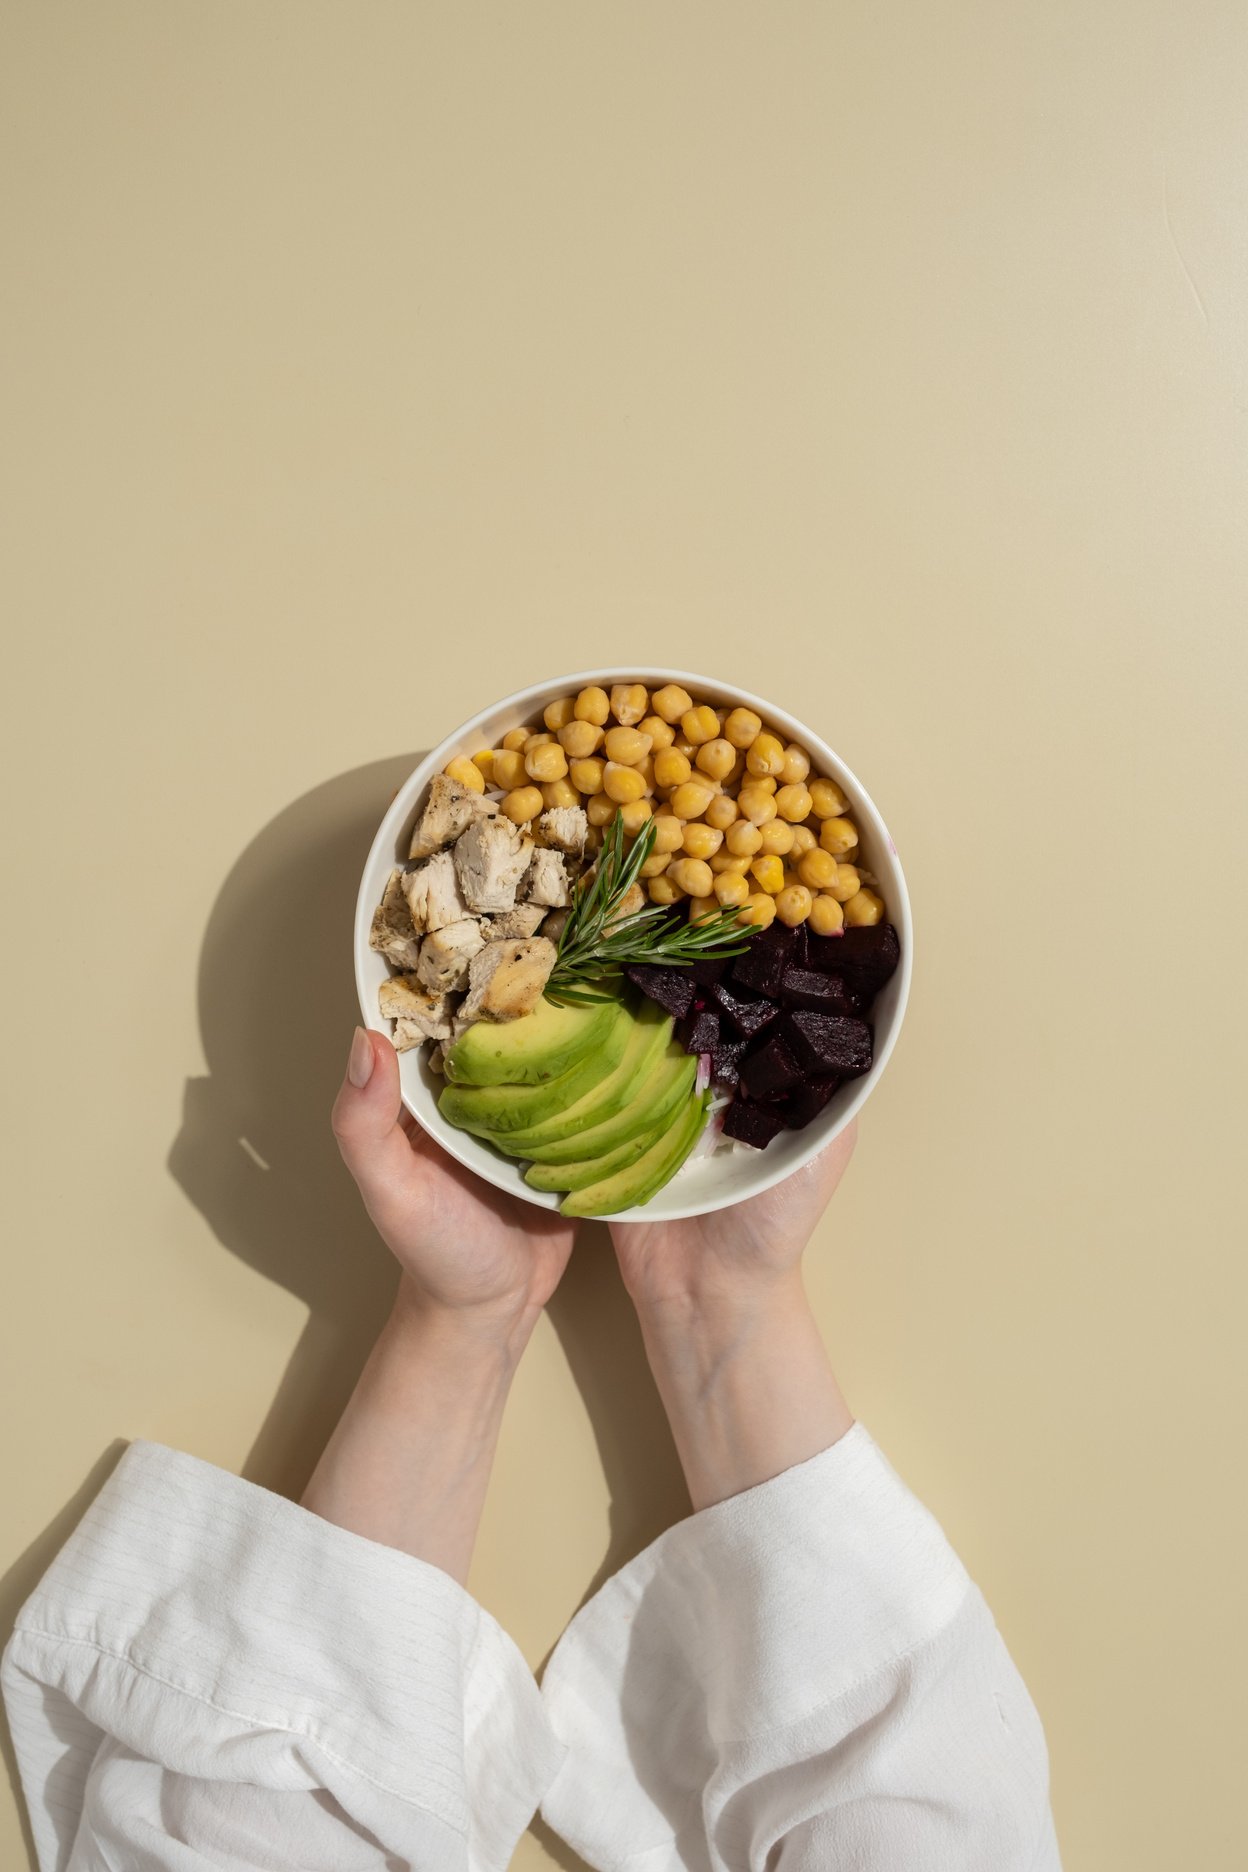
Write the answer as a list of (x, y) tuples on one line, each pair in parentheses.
[(738, 821)]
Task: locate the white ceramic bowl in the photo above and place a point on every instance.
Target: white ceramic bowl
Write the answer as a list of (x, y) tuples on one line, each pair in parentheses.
[(709, 1182)]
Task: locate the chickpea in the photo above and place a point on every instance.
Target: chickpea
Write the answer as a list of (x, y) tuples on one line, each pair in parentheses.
[(721, 812), (586, 775), (522, 804), (593, 705), (730, 861), (670, 768), (669, 832), (756, 805), (645, 768), (777, 838), (622, 783), (661, 733), (692, 875), (804, 839), (793, 804), (826, 799), (626, 746), (736, 773), (540, 739), (838, 836), (742, 727), (768, 872), (687, 748), (863, 907), (716, 758), (699, 725), (629, 702), (601, 809), (793, 905), (691, 800), (558, 714), (766, 783), (634, 814), (848, 883), (731, 889), (817, 869), (760, 910), (702, 840), (483, 761), (670, 702), (579, 739), (796, 765), (656, 864), (743, 836), (546, 763), (665, 890), (826, 916), (515, 738), (559, 793), (509, 769), (765, 755), (466, 772), (700, 908)]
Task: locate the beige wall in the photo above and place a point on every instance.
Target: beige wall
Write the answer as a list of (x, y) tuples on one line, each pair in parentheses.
[(368, 361)]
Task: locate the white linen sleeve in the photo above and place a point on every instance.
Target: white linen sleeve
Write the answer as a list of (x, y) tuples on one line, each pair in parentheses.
[(800, 1677), (209, 1675)]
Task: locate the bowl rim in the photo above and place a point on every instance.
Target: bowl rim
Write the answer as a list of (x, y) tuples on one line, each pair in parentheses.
[(523, 702)]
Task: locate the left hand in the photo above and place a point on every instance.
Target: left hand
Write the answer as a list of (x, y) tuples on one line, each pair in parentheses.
[(465, 1247)]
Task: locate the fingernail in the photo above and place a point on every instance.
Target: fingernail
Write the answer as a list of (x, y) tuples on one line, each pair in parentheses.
[(360, 1063)]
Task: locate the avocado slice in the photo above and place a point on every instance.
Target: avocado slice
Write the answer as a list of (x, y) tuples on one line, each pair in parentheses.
[(651, 1032), (654, 1101), (626, 1189), (572, 1176), (501, 1109), (536, 1047)]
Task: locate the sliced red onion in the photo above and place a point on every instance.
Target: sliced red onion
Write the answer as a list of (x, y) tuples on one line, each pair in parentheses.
[(703, 1078)]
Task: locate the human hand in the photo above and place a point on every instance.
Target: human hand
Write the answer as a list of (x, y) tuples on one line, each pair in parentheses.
[(465, 1248)]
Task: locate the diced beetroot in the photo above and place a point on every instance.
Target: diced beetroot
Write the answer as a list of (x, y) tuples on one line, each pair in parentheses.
[(748, 1013), (699, 1031), (808, 1101), (752, 1124), (828, 1043), (726, 1061), (672, 988), (761, 967), (709, 969), (770, 1070), (867, 956), (809, 988)]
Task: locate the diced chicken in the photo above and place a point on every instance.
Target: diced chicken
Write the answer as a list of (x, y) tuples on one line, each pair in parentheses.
[(633, 900), (512, 925), (506, 979), (565, 827), (491, 857), (445, 955), (420, 1015), (546, 880), (433, 894), (450, 811), (392, 933)]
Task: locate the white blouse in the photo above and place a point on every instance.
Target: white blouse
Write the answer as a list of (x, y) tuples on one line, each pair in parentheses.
[(799, 1679)]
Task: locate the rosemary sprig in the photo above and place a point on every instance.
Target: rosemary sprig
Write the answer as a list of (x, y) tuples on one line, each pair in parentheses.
[(596, 942)]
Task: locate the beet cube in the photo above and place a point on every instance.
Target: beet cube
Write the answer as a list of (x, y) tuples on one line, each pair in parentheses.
[(867, 956), (828, 1043), (748, 1013), (699, 1031), (809, 988), (672, 988), (761, 967), (707, 970), (752, 1124), (808, 1101), (771, 1070), (726, 1060)]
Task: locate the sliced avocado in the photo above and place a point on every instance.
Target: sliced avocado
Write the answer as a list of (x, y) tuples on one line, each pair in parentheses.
[(536, 1047), (572, 1176), (500, 1109), (651, 1032), (663, 1091), (626, 1189)]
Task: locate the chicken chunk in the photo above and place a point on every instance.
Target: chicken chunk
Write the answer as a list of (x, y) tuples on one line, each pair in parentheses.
[(451, 810), (565, 827), (445, 955), (433, 894), (420, 1015), (633, 900), (546, 880), (506, 979), (524, 920), (392, 933), (491, 857)]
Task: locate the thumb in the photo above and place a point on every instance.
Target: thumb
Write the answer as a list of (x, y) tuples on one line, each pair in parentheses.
[(365, 1117)]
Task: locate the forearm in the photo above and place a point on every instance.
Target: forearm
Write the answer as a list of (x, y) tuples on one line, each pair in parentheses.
[(409, 1461), (745, 1380)]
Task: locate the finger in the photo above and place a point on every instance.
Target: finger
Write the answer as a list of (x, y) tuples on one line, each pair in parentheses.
[(365, 1117)]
